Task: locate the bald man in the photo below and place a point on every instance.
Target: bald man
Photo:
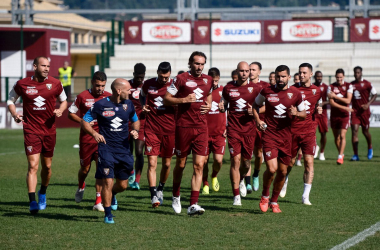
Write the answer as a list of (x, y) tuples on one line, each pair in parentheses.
[(241, 129), (115, 159)]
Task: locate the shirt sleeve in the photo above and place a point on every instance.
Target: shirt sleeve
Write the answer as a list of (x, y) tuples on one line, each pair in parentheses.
[(328, 92), (300, 103), (260, 99), (62, 96), (13, 96), (373, 90), (91, 114), (74, 106), (173, 88), (350, 89), (134, 117)]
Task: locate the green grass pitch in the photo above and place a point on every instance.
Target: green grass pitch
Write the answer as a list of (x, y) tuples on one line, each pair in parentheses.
[(345, 202)]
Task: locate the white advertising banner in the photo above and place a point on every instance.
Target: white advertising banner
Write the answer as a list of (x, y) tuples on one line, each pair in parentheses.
[(15, 125), (374, 29), (374, 120), (166, 32), (3, 117), (298, 31), (236, 32)]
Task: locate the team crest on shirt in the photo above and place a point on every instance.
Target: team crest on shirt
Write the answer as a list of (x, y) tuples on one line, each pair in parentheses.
[(322, 88), (48, 86), (149, 149), (29, 148), (125, 107), (290, 95), (220, 93), (362, 84), (250, 89), (344, 88), (269, 153), (205, 80), (314, 91), (106, 171), (231, 150)]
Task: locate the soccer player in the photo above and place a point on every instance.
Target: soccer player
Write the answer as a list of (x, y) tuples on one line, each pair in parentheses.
[(241, 132), (303, 131), (234, 75), (321, 119), (272, 78), (340, 95), (216, 122), (192, 92), (296, 80), (363, 89), (39, 94), (88, 148), (281, 104), (115, 159), (159, 130), (254, 77), (136, 85)]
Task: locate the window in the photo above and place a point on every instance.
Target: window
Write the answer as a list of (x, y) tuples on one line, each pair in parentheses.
[(59, 46)]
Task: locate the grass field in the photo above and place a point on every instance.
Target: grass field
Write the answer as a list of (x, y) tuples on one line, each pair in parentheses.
[(345, 202)]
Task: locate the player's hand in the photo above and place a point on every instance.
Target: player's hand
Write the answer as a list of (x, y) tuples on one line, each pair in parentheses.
[(261, 125), (319, 110), (365, 106), (205, 108), (331, 95), (18, 118), (348, 109), (134, 134), (190, 98), (221, 106), (99, 138), (293, 110), (57, 112), (146, 109), (225, 133), (92, 123), (250, 110)]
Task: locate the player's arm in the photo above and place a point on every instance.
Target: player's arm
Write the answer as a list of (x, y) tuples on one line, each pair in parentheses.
[(87, 127), (207, 106), (299, 111), (63, 104), (143, 101), (73, 109), (135, 126), (170, 99), (259, 101), (373, 98), (346, 100), (12, 98)]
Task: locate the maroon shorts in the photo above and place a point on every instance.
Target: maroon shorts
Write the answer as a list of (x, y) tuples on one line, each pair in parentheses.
[(306, 142), (322, 123), (277, 148), (35, 144), (216, 144), (88, 152), (340, 122), (191, 140), (241, 144), (362, 119), (159, 145), (258, 143)]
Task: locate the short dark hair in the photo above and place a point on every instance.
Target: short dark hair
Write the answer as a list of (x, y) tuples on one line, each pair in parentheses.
[(282, 68), (258, 64), (296, 74), (139, 68), (180, 72), (165, 67), (306, 65), (317, 72), (37, 59), (196, 53), (272, 73), (99, 76), (213, 72), (339, 71), (359, 68), (234, 73)]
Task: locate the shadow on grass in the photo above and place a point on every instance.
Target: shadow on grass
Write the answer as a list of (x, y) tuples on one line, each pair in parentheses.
[(55, 216)]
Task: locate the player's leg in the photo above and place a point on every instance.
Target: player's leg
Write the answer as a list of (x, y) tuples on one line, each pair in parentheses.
[(268, 176), (132, 178), (308, 178), (235, 178), (336, 134), (107, 185), (247, 178), (45, 179), (299, 158), (82, 175), (177, 178), (342, 135), (355, 141), (258, 152), (288, 170), (365, 130), (98, 201), (323, 142), (295, 149), (216, 166), (206, 186), (165, 171), (139, 163), (31, 181), (196, 182), (278, 183), (151, 174)]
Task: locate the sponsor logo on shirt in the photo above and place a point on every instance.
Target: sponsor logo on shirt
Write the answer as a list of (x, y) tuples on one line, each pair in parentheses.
[(136, 94), (191, 84), (89, 102), (273, 99), (31, 91), (280, 110), (290, 95), (198, 94), (108, 113), (241, 103), (307, 106), (48, 86), (166, 32), (306, 30), (234, 94), (214, 108), (152, 91), (39, 102), (158, 101), (116, 123), (108, 108), (357, 95)]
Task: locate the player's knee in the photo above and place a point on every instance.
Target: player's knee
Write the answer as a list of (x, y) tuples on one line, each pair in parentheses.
[(85, 169)]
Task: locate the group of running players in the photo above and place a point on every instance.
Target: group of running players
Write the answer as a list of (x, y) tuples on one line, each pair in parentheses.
[(192, 113)]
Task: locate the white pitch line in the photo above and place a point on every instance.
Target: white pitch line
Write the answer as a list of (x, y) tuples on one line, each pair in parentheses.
[(358, 238), (12, 153)]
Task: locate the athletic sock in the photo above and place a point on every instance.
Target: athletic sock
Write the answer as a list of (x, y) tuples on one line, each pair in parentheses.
[(275, 195), (266, 191), (256, 173), (138, 176), (107, 211), (43, 189), (214, 174), (32, 196), (98, 198), (160, 186), (194, 197), (299, 157), (152, 192), (247, 180), (204, 180), (81, 185), (306, 190), (370, 146), (176, 189), (236, 191), (340, 156), (205, 183)]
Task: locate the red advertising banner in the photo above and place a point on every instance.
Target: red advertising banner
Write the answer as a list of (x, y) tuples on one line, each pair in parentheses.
[(132, 32), (364, 30), (201, 32), (272, 31)]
